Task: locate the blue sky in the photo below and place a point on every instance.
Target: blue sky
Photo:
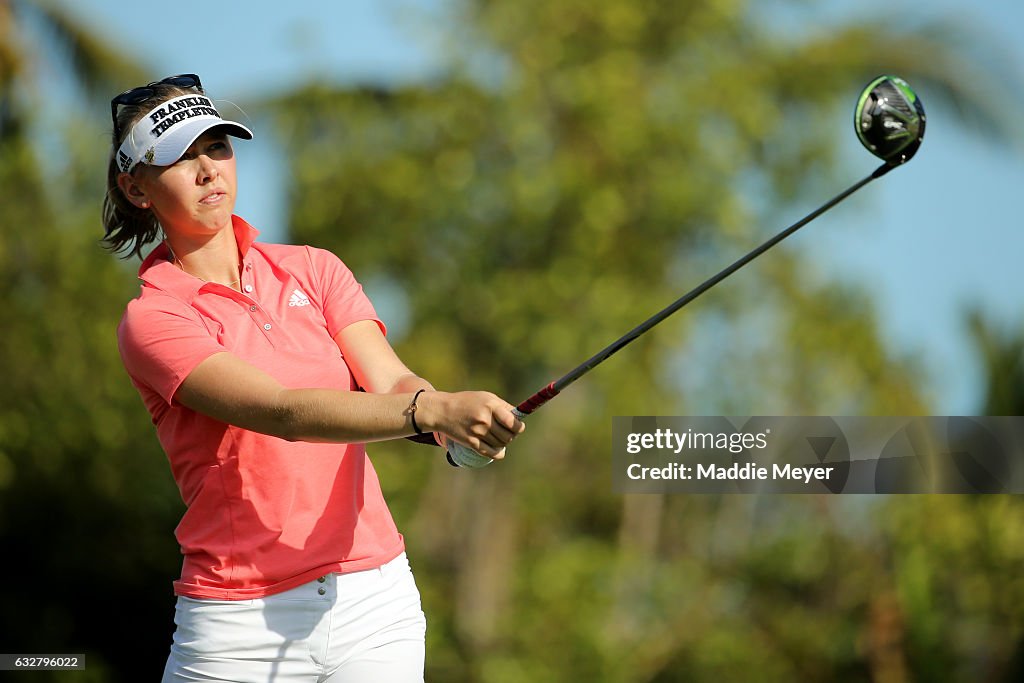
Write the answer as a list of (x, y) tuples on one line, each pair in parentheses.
[(930, 239)]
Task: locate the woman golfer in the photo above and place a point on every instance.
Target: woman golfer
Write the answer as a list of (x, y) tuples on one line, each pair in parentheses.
[(249, 358)]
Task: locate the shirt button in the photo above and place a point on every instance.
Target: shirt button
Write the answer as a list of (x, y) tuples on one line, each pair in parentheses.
[(248, 288), (321, 591), (252, 308), (267, 327), (322, 579)]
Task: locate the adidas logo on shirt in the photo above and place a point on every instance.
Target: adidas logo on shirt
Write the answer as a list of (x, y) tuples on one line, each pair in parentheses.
[(298, 298)]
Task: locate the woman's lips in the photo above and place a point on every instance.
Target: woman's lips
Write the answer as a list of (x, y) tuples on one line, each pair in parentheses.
[(212, 198)]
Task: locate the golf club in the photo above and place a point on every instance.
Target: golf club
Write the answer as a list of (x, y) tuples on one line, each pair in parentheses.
[(890, 121)]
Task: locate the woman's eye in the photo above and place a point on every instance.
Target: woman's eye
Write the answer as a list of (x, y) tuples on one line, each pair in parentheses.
[(215, 149)]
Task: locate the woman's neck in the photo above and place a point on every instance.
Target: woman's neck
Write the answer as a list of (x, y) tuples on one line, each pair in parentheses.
[(215, 259)]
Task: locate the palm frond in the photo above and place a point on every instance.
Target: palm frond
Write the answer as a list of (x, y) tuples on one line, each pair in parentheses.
[(96, 66)]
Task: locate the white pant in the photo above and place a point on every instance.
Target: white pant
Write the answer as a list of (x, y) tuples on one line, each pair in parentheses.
[(363, 626)]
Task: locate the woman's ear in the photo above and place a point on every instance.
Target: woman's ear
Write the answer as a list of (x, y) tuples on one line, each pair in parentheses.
[(133, 191)]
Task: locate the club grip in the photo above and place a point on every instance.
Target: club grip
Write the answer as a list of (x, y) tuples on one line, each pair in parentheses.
[(536, 401)]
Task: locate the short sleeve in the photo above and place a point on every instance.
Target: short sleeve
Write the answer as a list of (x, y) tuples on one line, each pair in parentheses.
[(161, 341), (344, 301)]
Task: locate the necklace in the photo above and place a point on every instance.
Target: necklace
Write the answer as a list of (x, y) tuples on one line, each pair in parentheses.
[(211, 282), (177, 262)]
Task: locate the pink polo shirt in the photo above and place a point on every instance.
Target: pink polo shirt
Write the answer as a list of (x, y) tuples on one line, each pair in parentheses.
[(263, 514)]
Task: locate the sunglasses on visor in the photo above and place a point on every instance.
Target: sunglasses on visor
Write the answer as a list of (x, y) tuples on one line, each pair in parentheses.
[(144, 92)]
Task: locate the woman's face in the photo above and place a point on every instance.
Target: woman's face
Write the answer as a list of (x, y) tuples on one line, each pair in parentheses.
[(195, 196)]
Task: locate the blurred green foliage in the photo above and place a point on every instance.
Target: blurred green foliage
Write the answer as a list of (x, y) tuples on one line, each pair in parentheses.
[(580, 166)]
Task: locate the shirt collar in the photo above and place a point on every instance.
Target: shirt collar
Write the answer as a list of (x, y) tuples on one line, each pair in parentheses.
[(158, 271)]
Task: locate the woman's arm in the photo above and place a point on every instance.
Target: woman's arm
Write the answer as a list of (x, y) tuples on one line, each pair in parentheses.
[(231, 390), (470, 418), (375, 365)]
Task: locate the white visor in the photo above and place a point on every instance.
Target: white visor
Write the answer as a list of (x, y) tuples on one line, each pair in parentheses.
[(164, 134)]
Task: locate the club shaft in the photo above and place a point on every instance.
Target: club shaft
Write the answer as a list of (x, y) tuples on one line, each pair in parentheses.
[(554, 388)]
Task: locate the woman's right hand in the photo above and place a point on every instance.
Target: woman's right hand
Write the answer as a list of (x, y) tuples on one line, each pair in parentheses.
[(477, 419)]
